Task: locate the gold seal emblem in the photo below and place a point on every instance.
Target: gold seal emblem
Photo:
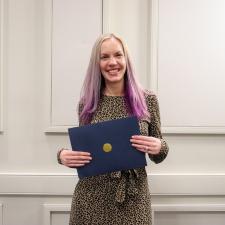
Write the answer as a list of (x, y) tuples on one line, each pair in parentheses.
[(107, 147)]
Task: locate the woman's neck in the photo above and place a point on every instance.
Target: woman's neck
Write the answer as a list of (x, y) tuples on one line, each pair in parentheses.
[(114, 90)]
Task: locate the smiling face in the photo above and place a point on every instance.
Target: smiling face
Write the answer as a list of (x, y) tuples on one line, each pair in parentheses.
[(112, 62)]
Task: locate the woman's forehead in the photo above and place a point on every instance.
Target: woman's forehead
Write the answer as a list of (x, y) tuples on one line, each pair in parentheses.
[(111, 44)]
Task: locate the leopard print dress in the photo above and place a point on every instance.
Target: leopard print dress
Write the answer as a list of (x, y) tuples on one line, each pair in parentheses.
[(118, 198)]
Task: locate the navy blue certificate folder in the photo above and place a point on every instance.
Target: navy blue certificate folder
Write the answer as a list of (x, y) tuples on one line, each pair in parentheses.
[(109, 145)]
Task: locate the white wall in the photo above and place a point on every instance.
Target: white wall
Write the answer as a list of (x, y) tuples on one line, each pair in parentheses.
[(34, 189)]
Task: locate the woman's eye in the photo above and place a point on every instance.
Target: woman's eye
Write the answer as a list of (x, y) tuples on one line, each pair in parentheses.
[(104, 57), (119, 55)]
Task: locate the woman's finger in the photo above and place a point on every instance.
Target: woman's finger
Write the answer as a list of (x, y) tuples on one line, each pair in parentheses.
[(78, 161), (78, 158), (146, 149), (141, 148), (141, 142), (143, 137), (75, 165), (75, 153)]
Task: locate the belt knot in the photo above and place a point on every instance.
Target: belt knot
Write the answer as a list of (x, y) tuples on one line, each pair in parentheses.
[(127, 184)]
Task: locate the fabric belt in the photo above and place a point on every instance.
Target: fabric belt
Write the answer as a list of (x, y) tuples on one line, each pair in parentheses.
[(127, 184)]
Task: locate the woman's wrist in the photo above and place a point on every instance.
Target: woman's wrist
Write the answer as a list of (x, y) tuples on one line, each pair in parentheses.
[(58, 156)]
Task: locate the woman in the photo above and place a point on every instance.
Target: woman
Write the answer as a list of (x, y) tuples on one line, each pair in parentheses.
[(110, 91)]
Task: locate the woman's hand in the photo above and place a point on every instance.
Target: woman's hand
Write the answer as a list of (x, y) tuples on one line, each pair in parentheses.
[(150, 145), (74, 159)]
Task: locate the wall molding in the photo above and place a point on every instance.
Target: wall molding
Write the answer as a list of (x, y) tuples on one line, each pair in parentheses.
[(105, 29), (186, 208), (160, 184), (153, 49), (58, 129), (193, 130), (1, 61), (51, 128), (1, 214), (49, 15), (50, 208), (154, 79)]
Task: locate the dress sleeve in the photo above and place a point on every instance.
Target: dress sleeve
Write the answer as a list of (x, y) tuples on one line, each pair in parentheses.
[(155, 128)]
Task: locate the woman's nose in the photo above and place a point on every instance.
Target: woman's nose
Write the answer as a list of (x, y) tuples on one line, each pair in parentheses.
[(112, 60)]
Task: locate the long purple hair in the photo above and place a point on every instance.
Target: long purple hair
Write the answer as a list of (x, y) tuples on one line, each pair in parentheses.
[(94, 84)]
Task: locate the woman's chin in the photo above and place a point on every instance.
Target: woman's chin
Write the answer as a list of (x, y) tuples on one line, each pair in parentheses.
[(114, 80)]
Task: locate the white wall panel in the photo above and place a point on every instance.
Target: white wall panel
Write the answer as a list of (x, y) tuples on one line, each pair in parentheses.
[(75, 27), (190, 65)]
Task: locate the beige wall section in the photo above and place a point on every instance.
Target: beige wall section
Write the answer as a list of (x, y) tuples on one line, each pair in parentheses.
[(35, 190)]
